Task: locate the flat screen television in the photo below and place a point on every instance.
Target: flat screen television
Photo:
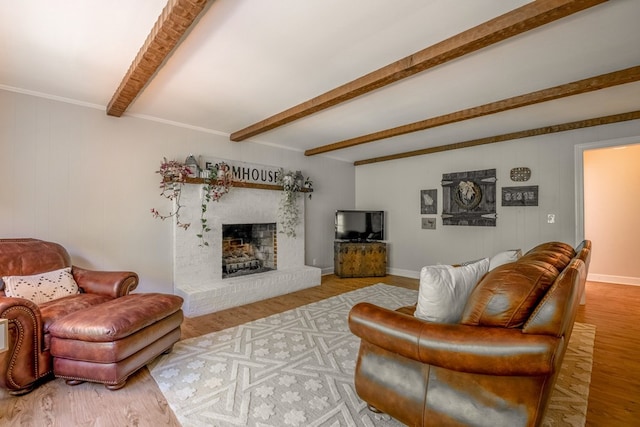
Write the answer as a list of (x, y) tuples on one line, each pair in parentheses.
[(359, 225)]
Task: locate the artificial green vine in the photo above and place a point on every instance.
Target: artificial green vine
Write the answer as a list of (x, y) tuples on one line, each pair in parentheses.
[(292, 184), (217, 184)]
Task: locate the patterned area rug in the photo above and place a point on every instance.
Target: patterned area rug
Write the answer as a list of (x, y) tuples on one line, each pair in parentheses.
[(296, 369)]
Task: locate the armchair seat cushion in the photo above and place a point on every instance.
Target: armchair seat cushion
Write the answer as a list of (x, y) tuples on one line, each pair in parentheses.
[(117, 318), (59, 308)]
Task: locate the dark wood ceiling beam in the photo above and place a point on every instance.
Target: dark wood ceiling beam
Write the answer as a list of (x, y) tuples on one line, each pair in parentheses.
[(599, 121), (603, 81), (517, 21), (172, 24)]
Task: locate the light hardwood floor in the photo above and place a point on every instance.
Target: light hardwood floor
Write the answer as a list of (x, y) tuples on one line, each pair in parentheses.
[(614, 396)]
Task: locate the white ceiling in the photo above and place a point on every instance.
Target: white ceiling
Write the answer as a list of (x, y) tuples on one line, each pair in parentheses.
[(246, 60)]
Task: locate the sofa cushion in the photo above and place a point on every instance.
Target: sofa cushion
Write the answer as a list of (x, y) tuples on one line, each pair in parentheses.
[(507, 296), (558, 247), (555, 245), (42, 287), (558, 259), (444, 290)]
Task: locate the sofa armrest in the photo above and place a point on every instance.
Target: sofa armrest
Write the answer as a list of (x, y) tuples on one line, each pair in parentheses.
[(463, 348), (19, 365), (111, 283)]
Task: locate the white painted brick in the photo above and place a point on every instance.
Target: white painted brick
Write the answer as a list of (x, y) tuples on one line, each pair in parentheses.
[(198, 269)]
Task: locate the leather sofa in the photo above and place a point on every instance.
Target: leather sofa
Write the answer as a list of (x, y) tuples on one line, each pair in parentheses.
[(496, 367), (28, 360)]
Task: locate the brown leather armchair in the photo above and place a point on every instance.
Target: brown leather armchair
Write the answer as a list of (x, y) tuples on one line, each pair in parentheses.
[(486, 370), (28, 359)]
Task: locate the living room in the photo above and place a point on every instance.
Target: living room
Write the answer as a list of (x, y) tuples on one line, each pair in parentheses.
[(74, 175)]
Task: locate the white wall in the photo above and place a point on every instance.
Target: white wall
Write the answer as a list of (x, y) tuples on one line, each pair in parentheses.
[(73, 175), (394, 186), (612, 209)]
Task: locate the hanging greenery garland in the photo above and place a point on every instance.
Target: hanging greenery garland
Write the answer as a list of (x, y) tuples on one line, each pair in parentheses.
[(174, 175), (217, 184), (289, 211), (218, 180)]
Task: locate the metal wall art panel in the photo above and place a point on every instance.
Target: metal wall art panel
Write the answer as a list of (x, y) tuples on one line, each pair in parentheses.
[(520, 196), (469, 198)]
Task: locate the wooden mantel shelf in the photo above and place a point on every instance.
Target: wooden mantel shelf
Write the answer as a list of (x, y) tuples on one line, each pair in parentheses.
[(241, 184)]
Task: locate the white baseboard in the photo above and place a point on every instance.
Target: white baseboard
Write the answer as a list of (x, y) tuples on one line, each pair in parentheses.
[(620, 280), (393, 271), (404, 273), (326, 270)]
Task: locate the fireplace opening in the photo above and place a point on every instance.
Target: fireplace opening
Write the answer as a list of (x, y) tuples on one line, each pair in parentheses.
[(248, 249)]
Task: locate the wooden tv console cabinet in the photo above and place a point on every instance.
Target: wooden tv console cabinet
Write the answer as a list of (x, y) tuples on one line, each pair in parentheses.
[(359, 259)]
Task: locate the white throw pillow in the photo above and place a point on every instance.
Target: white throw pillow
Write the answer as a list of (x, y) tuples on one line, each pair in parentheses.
[(504, 258), (41, 288), (444, 290)]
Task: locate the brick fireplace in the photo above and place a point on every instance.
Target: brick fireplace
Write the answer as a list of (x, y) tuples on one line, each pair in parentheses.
[(200, 274), (249, 249)]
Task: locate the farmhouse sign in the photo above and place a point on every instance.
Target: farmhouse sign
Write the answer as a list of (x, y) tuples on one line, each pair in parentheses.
[(246, 172)]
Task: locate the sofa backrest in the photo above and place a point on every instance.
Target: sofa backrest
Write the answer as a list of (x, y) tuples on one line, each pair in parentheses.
[(556, 312), (506, 296), (538, 293), (584, 252), (559, 247), (558, 254), (25, 257)]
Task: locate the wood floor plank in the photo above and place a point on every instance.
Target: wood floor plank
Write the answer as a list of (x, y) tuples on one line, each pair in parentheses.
[(614, 395)]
